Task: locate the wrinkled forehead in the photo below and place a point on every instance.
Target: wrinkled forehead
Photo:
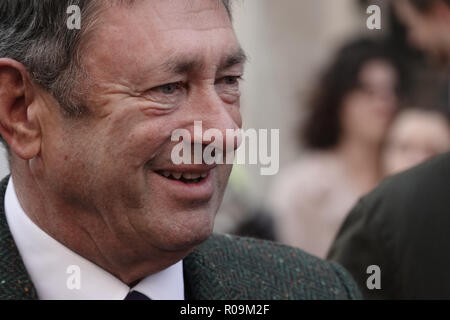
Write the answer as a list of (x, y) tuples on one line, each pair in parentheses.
[(197, 14), (144, 35), (173, 13)]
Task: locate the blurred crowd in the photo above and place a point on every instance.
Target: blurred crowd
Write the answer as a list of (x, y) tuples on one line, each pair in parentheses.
[(380, 107)]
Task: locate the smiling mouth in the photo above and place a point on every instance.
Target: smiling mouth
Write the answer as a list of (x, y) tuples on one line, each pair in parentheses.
[(185, 177)]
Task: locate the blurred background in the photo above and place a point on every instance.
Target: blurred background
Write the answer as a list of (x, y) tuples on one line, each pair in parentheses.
[(353, 106), (287, 42)]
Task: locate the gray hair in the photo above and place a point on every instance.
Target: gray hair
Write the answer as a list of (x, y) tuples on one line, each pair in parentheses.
[(35, 33)]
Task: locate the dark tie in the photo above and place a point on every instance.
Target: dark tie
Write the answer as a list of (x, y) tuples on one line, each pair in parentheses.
[(135, 295)]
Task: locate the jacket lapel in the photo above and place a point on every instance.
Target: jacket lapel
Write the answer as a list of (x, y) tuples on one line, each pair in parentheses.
[(15, 283)]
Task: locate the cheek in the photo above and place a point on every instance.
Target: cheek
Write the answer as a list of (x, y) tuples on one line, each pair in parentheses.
[(133, 146), (354, 113), (362, 115), (224, 175), (71, 167)]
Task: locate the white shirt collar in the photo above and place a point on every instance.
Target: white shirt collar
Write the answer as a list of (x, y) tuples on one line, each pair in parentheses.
[(48, 263)]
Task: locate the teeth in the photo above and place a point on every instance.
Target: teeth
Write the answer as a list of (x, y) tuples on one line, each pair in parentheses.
[(166, 174), (177, 175), (195, 176), (185, 175), (191, 176)]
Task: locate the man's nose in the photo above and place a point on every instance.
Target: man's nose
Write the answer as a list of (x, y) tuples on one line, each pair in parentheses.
[(216, 118)]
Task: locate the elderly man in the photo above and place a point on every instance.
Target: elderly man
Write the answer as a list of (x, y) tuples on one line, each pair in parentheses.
[(95, 208)]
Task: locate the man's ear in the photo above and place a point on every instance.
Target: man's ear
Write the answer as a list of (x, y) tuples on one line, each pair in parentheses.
[(19, 124)]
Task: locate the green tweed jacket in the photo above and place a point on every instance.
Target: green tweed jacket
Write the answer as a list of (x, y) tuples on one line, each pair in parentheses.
[(223, 267)]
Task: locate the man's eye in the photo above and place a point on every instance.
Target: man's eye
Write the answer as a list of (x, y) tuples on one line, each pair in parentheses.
[(167, 95), (170, 88), (228, 88), (231, 80)]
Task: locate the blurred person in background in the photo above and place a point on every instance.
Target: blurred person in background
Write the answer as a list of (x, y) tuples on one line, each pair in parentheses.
[(351, 110), (426, 22), (416, 135), (402, 227)]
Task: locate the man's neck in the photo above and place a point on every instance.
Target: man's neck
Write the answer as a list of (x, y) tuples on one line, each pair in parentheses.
[(361, 162)]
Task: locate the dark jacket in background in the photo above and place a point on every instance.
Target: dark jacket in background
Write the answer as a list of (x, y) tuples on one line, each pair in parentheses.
[(404, 228)]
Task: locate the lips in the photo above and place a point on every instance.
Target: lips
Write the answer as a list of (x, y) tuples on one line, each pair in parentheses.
[(186, 177), (194, 182)]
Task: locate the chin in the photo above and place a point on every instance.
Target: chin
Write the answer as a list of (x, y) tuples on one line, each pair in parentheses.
[(198, 238), (187, 242), (189, 233), (198, 233)]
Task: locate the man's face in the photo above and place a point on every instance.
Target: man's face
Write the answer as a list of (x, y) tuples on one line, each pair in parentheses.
[(156, 66)]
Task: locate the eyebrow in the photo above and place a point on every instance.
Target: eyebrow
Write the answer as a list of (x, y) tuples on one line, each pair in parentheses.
[(183, 65), (238, 57)]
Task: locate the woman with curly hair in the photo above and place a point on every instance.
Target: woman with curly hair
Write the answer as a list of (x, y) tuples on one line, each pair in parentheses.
[(350, 111)]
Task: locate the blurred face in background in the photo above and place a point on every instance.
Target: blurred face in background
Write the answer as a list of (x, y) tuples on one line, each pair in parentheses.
[(428, 30), (367, 111), (415, 136)]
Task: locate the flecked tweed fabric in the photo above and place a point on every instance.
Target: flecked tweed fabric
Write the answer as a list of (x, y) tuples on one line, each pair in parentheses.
[(223, 267), (14, 281), (229, 268)]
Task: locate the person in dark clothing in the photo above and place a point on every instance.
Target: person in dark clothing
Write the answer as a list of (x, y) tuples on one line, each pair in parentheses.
[(395, 242)]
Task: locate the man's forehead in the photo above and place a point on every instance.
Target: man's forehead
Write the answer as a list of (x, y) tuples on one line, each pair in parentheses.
[(169, 14), (178, 11), (146, 36)]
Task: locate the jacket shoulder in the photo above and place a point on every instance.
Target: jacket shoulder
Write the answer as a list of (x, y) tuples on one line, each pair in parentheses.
[(383, 229), (229, 267), (406, 201), (428, 180)]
